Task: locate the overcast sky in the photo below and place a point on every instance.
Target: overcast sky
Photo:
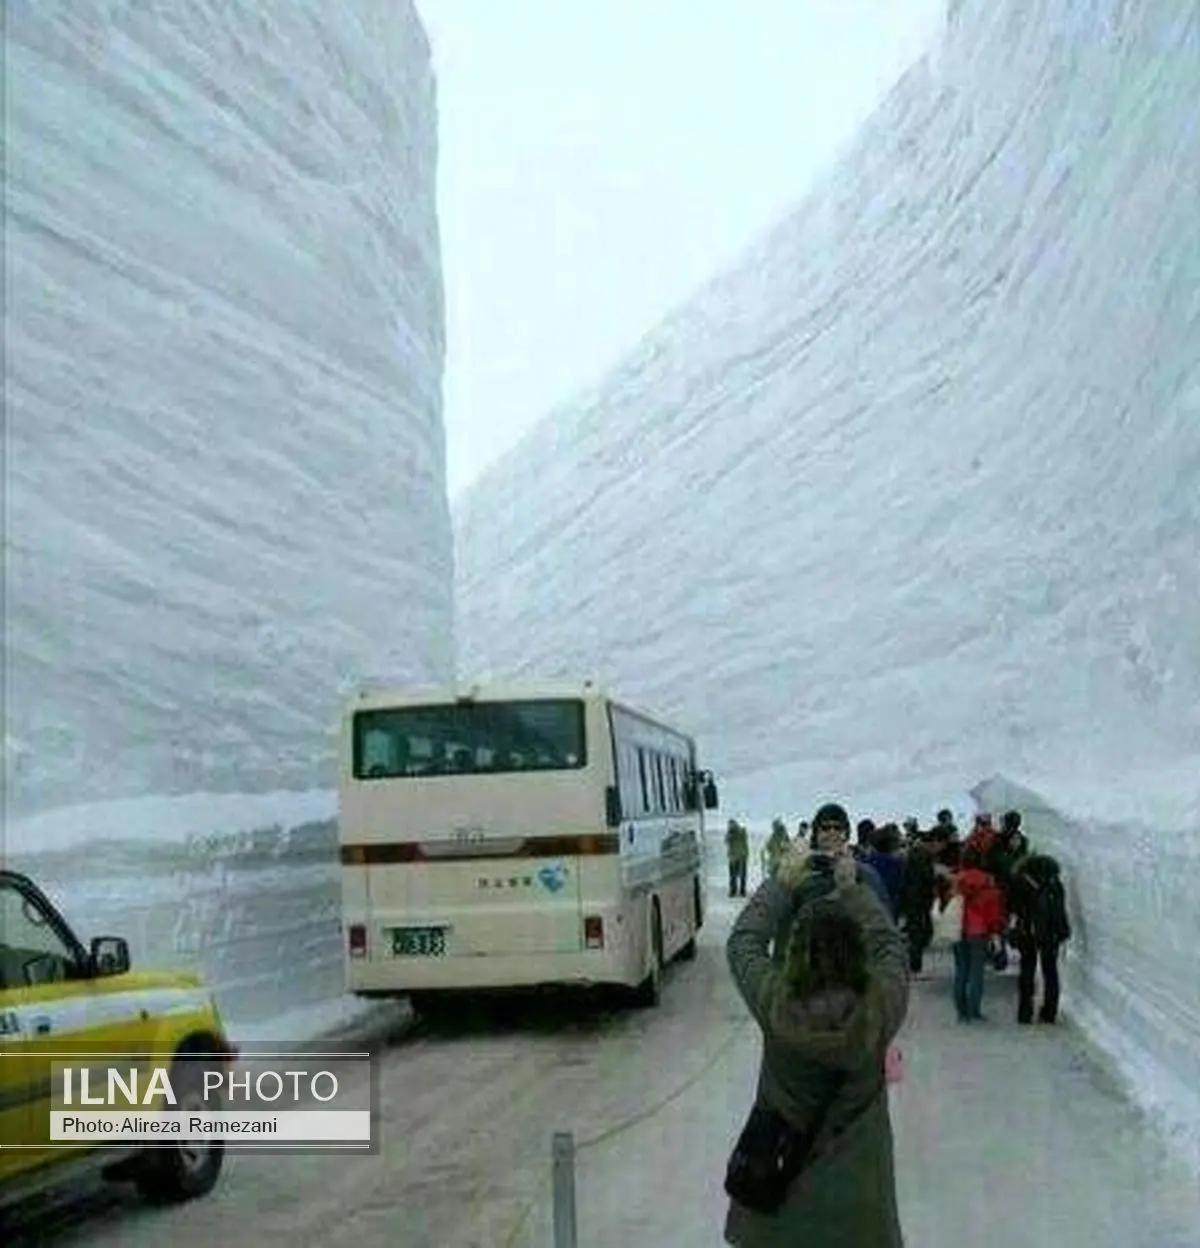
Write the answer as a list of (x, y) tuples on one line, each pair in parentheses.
[(601, 159)]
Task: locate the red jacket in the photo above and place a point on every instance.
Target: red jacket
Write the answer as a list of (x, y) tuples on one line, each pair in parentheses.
[(982, 840), (983, 903)]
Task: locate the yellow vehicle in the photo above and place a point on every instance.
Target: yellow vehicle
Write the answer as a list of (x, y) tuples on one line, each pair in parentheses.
[(56, 995)]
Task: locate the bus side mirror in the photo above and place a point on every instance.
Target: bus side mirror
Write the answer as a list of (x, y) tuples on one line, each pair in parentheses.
[(612, 806), (711, 800)]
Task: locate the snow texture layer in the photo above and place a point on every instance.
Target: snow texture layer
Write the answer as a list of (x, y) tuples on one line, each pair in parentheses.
[(929, 460), (912, 496), (1131, 977), (244, 890), (225, 496)]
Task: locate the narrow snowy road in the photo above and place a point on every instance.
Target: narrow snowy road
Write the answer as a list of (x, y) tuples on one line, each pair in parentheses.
[(467, 1113), (1005, 1136)]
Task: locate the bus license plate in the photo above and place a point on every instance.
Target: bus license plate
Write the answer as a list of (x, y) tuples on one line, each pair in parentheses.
[(419, 942)]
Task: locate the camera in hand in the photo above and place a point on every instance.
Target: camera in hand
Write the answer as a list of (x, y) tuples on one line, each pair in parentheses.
[(822, 864)]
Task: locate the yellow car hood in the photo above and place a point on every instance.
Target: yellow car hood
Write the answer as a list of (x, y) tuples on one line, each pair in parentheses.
[(131, 981)]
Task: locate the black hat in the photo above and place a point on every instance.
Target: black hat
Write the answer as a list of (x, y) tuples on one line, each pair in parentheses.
[(831, 813), (1012, 820)]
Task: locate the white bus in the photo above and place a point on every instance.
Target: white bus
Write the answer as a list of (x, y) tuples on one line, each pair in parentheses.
[(506, 838)]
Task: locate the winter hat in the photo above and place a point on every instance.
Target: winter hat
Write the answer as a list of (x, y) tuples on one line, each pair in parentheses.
[(1012, 821), (831, 814)]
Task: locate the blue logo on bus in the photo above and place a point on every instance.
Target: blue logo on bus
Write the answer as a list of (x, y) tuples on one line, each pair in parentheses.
[(553, 878)]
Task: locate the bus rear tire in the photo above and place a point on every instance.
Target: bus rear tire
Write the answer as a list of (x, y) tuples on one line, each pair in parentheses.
[(648, 993), (688, 952)]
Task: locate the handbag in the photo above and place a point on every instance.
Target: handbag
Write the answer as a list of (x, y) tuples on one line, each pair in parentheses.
[(947, 924), (770, 1154)]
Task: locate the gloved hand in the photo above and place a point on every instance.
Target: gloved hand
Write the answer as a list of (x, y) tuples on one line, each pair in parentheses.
[(845, 870)]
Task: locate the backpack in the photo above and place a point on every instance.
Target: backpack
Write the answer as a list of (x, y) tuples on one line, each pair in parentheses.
[(1049, 912)]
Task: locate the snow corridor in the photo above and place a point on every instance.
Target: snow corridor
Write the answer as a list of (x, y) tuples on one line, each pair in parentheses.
[(1081, 1134)]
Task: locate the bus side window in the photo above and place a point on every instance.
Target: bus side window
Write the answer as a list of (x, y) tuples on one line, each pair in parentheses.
[(626, 771)]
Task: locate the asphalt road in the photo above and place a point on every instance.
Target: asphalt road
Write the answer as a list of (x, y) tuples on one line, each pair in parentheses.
[(467, 1110), (1055, 1155)]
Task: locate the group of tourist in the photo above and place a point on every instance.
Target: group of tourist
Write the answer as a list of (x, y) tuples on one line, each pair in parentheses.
[(992, 891), (823, 953)]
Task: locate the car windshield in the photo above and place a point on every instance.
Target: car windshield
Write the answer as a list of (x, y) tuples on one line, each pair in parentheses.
[(469, 738), (32, 951)]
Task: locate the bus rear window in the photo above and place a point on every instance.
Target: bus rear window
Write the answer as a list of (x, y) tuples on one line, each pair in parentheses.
[(469, 738)]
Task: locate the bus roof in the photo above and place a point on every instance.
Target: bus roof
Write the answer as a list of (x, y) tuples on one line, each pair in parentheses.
[(382, 698)]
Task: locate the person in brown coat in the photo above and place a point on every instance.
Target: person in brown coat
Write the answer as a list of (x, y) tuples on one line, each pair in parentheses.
[(837, 1039)]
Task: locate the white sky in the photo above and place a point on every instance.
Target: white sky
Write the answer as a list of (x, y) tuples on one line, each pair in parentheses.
[(601, 159)]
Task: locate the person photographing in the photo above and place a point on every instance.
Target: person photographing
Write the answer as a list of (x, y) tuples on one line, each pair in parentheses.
[(823, 971)]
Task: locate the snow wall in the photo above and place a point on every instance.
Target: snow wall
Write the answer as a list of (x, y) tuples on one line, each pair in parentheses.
[(1130, 968), (224, 461), (244, 890), (911, 495)]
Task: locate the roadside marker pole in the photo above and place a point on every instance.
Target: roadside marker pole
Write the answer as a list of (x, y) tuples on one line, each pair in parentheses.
[(566, 1233)]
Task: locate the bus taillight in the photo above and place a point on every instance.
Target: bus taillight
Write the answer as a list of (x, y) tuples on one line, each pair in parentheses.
[(357, 937), (593, 932)]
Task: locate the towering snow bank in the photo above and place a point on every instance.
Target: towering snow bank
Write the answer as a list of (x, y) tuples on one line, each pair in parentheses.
[(244, 890), (224, 340), (913, 495), (1131, 965), (915, 490)]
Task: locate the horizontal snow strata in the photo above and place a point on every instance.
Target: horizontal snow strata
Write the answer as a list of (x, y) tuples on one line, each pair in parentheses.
[(224, 338), (207, 885), (1130, 969), (912, 494), (915, 489)]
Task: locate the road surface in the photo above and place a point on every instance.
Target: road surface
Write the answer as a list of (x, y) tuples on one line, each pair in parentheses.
[(1005, 1137)]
